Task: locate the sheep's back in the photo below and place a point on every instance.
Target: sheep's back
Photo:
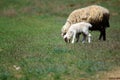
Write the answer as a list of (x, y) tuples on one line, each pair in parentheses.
[(96, 15)]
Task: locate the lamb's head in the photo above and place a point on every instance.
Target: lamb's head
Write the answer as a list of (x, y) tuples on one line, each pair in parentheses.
[(67, 37)]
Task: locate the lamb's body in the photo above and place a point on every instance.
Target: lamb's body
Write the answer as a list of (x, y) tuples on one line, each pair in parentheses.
[(96, 15), (76, 29)]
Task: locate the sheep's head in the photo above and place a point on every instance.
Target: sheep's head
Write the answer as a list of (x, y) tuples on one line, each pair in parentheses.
[(64, 31), (65, 28)]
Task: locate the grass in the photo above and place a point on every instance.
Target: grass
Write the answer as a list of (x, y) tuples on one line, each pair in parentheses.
[(32, 41)]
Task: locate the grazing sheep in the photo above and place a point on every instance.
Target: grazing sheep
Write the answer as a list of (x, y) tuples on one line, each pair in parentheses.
[(96, 15), (76, 29)]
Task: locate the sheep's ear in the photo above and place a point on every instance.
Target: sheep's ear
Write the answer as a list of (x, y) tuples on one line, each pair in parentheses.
[(62, 34)]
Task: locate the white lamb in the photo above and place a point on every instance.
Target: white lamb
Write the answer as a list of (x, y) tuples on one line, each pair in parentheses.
[(75, 30)]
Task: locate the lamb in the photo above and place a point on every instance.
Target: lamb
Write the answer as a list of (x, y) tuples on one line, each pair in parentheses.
[(76, 29), (96, 15)]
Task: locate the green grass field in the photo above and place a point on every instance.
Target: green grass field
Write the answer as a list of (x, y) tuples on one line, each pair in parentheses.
[(30, 39)]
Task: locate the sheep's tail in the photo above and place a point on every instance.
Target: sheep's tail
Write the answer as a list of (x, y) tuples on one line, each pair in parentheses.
[(106, 23), (90, 25), (106, 20)]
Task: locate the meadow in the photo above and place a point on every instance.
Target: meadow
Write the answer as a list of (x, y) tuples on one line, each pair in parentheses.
[(30, 38)]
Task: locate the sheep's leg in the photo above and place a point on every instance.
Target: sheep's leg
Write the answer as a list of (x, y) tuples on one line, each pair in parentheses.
[(102, 34), (74, 35)]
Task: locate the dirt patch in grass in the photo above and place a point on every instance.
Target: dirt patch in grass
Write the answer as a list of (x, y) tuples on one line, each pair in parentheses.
[(9, 12), (110, 75)]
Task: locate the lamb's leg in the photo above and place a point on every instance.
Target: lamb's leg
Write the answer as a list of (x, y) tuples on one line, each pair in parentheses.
[(84, 38), (77, 37), (85, 34), (100, 35), (89, 38), (74, 35)]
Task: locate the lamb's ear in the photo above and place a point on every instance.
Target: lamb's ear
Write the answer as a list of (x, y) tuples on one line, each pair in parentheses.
[(63, 37)]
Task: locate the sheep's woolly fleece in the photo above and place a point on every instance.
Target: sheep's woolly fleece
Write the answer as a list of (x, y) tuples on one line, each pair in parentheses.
[(88, 14), (91, 14)]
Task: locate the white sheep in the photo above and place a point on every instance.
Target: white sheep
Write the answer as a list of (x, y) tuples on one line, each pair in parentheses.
[(76, 29), (96, 15)]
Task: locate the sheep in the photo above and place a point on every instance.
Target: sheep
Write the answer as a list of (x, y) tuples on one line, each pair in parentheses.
[(96, 15), (76, 29)]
